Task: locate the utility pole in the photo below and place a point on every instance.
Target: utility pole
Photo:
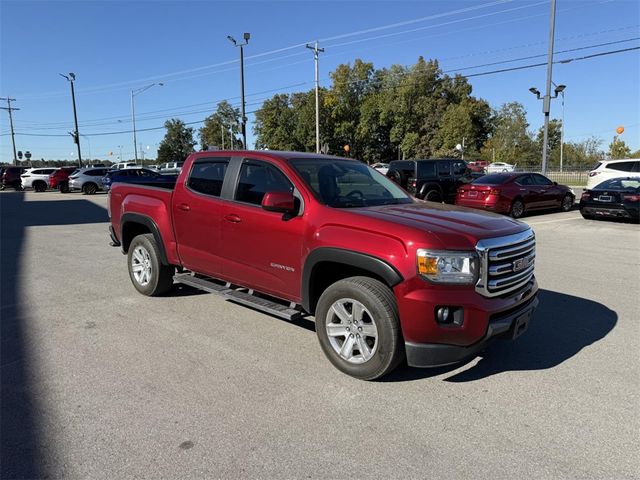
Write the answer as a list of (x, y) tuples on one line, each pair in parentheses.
[(246, 37), (316, 51), (133, 114), (546, 103), (71, 78), (9, 109)]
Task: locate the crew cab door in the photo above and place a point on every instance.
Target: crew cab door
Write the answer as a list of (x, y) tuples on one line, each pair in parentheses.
[(261, 249), (196, 209)]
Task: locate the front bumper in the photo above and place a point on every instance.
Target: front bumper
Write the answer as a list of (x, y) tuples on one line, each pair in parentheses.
[(509, 325)]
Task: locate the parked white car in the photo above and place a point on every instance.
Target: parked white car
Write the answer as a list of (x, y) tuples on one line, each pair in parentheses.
[(383, 168), (36, 178), (121, 165), (171, 167), (608, 169), (498, 167)]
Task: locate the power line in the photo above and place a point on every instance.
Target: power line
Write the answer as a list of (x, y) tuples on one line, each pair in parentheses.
[(491, 72)]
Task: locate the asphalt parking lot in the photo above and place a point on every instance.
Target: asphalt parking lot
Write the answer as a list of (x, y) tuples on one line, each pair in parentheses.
[(101, 382)]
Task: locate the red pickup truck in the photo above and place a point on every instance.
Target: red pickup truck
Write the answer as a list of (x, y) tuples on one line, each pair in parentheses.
[(387, 277)]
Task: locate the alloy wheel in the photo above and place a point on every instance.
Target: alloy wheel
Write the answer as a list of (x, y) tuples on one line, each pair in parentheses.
[(352, 331)]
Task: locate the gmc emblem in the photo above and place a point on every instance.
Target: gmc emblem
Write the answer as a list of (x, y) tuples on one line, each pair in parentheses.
[(520, 264)]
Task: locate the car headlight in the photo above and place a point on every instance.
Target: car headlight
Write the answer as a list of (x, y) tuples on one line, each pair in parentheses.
[(447, 267)]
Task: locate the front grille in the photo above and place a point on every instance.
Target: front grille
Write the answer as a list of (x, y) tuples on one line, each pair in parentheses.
[(506, 263)]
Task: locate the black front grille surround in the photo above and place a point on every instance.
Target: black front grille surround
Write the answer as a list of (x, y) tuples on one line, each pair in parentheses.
[(506, 263)]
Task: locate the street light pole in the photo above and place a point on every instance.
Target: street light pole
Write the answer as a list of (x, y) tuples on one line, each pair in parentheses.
[(546, 104), (316, 50), (246, 37), (133, 114), (547, 99), (71, 78), (562, 127)]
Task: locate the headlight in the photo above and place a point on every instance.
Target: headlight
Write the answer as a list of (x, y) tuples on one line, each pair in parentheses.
[(447, 267)]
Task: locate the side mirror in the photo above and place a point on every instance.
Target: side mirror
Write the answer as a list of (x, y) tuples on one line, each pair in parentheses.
[(555, 183), (282, 202)]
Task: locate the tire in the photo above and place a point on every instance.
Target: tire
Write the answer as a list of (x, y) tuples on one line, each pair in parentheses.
[(89, 188), (148, 275), (64, 187), (379, 317), (39, 186), (433, 196), (567, 203), (517, 208)]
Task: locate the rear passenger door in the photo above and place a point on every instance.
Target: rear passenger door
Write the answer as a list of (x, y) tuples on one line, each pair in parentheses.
[(196, 210), (261, 249), (550, 194)]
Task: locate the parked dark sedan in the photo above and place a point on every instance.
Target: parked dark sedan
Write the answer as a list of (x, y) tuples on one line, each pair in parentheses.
[(515, 193), (614, 198), (144, 176)]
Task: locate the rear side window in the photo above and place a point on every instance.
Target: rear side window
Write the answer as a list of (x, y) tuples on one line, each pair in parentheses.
[(444, 168), (622, 166), (207, 175), (495, 179), (525, 180), (426, 169), (258, 178)]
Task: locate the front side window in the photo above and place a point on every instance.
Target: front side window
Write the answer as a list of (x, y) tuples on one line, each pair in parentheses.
[(207, 175), (258, 178), (348, 184), (540, 180), (525, 180), (459, 168)]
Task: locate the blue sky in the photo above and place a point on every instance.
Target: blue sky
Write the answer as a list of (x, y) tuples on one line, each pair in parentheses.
[(116, 46)]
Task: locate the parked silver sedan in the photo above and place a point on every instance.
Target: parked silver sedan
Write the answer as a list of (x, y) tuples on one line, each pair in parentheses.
[(87, 180)]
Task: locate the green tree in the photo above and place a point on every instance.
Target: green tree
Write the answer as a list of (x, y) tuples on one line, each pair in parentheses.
[(618, 149), (583, 154), (275, 124), (220, 128), (511, 141), (554, 138), (635, 154), (178, 142)]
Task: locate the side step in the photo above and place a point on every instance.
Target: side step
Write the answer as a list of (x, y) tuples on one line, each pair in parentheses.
[(237, 296)]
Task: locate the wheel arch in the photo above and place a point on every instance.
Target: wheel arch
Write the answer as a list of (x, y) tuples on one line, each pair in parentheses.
[(327, 265), (428, 186), (134, 224)]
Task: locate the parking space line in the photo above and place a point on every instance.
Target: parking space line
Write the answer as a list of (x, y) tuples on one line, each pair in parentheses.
[(556, 220)]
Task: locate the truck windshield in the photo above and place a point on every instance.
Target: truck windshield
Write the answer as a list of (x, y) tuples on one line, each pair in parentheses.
[(348, 184)]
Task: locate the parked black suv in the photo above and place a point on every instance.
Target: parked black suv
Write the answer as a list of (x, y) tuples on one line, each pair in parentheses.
[(436, 180)]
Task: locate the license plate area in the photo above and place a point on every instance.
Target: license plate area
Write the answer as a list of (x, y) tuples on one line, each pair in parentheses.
[(473, 193), (604, 198)]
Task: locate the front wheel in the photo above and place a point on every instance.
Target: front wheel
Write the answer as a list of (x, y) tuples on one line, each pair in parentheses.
[(567, 203), (40, 186), (517, 209), (148, 275), (358, 327)]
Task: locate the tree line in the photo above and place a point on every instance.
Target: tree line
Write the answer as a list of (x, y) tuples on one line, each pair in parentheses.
[(391, 113)]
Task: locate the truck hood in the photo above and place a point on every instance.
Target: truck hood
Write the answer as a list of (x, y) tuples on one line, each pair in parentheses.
[(456, 227)]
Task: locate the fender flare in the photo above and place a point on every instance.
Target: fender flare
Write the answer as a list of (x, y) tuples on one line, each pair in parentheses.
[(151, 225), (426, 187), (347, 257)]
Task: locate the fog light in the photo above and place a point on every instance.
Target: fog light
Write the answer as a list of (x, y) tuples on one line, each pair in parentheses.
[(442, 314), (449, 315)]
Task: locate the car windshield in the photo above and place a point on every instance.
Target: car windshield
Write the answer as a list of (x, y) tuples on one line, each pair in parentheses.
[(495, 179), (348, 184), (620, 184)]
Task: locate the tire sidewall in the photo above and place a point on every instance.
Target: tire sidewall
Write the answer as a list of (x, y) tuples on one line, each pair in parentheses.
[(437, 197), (383, 316), (148, 243), (89, 188), (563, 202)]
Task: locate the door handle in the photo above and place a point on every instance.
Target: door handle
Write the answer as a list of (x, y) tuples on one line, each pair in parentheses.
[(233, 218), (543, 191), (184, 207)]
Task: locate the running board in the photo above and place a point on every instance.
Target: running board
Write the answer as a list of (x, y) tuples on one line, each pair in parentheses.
[(237, 296)]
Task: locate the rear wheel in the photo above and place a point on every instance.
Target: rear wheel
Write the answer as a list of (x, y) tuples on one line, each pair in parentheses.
[(89, 188), (64, 187), (148, 275), (567, 203), (358, 327), (433, 196), (517, 208)]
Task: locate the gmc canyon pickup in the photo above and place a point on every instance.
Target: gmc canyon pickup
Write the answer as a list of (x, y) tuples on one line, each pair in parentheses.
[(387, 277)]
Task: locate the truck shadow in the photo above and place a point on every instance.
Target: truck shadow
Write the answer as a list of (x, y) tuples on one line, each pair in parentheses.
[(24, 452), (561, 327)]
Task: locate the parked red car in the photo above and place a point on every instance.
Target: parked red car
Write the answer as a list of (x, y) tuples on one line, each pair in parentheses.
[(515, 194), (60, 178), (479, 166)]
